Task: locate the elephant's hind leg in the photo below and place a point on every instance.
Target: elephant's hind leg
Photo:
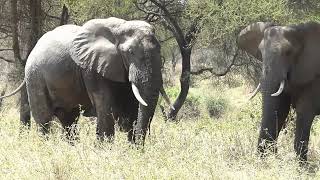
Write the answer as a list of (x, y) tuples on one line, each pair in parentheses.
[(40, 104), (69, 121)]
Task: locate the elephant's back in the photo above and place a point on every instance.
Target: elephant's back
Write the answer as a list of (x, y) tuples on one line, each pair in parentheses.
[(50, 64), (52, 47)]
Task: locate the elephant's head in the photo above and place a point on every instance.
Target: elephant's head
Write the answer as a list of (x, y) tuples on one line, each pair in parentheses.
[(289, 53), (123, 51), (290, 56)]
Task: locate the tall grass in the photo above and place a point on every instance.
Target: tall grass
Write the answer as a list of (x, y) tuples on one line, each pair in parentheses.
[(202, 146)]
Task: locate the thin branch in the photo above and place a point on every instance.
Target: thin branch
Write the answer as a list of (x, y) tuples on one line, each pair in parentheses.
[(7, 60), (6, 50), (215, 73), (50, 16), (177, 31), (166, 39)]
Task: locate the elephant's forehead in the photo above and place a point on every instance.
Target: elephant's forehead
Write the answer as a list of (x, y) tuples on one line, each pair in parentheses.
[(137, 26), (275, 39), (277, 32)]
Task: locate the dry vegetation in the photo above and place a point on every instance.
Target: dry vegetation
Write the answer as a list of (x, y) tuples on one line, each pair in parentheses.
[(199, 146)]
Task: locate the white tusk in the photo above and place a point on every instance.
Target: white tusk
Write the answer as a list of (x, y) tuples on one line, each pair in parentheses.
[(137, 94), (166, 98), (279, 90), (255, 92)]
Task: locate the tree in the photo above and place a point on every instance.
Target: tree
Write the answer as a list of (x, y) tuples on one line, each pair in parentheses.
[(22, 30), (83, 10), (171, 14)]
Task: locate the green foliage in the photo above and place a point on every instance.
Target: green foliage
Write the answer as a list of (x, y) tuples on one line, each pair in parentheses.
[(84, 10), (191, 108), (216, 107), (223, 19)]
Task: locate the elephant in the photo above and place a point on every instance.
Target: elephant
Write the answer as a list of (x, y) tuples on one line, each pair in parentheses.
[(109, 68), (290, 58)]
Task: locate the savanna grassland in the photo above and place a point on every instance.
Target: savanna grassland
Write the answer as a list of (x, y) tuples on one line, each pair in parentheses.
[(215, 138)]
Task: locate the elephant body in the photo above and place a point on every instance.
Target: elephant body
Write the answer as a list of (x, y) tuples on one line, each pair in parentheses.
[(94, 68), (291, 77)]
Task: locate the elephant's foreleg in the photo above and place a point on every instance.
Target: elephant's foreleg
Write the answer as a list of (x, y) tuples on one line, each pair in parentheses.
[(105, 126), (69, 121), (303, 126), (105, 118)]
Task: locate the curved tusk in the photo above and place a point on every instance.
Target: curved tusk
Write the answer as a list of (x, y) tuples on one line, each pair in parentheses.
[(166, 98), (280, 89), (255, 92), (15, 91), (137, 94)]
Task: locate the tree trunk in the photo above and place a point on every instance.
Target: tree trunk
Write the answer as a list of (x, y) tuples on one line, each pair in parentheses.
[(184, 83), (64, 15), (35, 13)]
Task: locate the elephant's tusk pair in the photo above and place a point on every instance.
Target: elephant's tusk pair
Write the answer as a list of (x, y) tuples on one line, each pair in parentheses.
[(166, 98), (255, 92), (279, 90), (137, 94)]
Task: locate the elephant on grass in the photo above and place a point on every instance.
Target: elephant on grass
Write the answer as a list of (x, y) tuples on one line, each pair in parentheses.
[(291, 77), (111, 67)]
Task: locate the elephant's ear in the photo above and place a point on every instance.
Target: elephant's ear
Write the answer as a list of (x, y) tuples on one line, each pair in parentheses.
[(250, 37), (94, 49)]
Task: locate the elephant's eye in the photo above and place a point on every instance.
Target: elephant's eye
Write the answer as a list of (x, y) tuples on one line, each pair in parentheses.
[(131, 51)]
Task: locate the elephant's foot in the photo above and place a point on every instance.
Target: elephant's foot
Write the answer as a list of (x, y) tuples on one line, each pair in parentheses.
[(266, 147), (130, 136), (43, 129), (105, 136), (139, 137), (72, 134)]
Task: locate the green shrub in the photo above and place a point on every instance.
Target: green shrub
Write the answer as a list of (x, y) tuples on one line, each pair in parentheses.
[(216, 107), (191, 107)]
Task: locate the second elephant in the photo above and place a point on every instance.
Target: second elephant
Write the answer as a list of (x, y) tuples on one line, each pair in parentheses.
[(291, 71)]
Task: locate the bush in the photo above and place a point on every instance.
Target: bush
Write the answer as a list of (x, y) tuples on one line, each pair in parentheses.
[(191, 107), (216, 107)]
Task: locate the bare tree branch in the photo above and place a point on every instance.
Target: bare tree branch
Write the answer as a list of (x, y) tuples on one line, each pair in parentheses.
[(50, 16), (7, 60), (6, 50), (166, 39), (220, 73)]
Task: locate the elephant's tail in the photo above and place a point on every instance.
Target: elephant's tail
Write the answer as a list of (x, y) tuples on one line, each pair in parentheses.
[(15, 91)]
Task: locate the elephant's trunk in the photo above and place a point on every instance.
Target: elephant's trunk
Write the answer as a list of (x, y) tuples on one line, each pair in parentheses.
[(145, 115), (274, 111), (149, 84)]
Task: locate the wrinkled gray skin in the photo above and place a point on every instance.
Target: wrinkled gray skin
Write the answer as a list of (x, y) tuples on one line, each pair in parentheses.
[(290, 54), (94, 66)]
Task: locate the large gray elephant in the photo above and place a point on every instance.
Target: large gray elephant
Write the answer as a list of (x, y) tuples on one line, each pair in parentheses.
[(111, 67), (291, 77)]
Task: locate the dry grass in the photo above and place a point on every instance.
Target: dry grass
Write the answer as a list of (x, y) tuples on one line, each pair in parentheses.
[(204, 147)]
